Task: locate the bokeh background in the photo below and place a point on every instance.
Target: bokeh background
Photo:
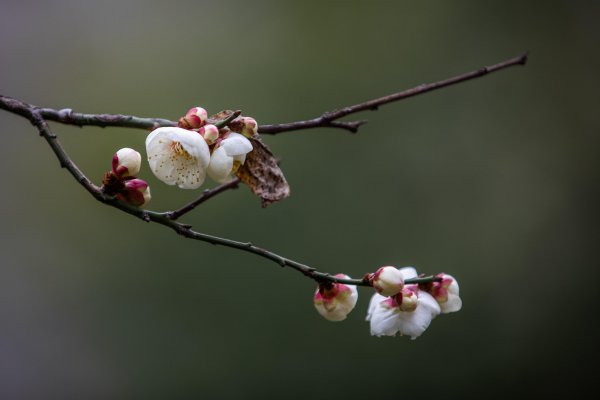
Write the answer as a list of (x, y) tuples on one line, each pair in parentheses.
[(494, 181)]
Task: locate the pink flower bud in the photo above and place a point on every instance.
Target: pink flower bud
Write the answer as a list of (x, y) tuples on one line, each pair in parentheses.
[(136, 192), (387, 281), (334, 301), (195, 118), (210, 133), (250, 127), (247, 126), (126, 162)]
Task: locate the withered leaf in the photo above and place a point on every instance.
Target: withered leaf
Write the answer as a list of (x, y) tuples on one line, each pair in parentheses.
[(221, 115), (262, 174)]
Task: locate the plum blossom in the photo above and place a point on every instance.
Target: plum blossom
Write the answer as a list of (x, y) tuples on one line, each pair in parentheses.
[(334, 301), (126, 162), (409, 312), (446, 293), (178, 156), (227, 156)]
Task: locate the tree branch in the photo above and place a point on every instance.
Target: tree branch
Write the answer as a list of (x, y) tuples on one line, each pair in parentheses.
[(39, 117), (329, 119), (32, 114), (326, 120)]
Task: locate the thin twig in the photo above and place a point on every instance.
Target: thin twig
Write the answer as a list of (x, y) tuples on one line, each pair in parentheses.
[(326, 120), (329, 119), (206, 194)]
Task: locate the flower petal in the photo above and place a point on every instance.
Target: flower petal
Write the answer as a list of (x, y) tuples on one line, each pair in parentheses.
[(220, 165), (236, 144), (414, 323), (384, 318), (408, 273)]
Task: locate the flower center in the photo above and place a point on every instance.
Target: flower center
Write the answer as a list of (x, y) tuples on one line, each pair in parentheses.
[(178, 149)]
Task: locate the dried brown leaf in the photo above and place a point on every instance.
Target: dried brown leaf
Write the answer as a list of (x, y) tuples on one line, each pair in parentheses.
[(262, 174)]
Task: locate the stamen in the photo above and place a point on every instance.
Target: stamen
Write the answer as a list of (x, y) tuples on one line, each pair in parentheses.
[(179, 150)]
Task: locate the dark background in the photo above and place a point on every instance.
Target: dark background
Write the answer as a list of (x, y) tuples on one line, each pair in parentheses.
[(493, 181)]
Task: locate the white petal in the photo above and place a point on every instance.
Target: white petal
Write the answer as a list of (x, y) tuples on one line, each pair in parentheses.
[(414, 323), (163, 168), (195, 144), (153, 134), (384, 320), (453, 304), (408, 273), (236, 144), (375, 300), (220, 165), (192, 178)]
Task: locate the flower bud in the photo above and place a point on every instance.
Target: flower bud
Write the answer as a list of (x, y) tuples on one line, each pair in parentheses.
[(247, 126), (135, 192), (387, 281), (210, 133), (194, 118), (126, 162), (334, 301), (407, 299)]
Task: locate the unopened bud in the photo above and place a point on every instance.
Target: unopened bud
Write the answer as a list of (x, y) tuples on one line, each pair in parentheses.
[(387, 281), (210, 133), (407, 299), (126, 162), (194, 118), (135, 192), (247, 126)]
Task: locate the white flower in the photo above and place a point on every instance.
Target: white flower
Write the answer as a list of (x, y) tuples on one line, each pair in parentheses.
[(178, 156), (335, 301), (387, 317), (227, 156), (126, 162), (446, 293), (387, 281)]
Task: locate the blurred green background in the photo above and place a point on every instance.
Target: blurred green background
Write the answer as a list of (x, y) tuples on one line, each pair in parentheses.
[(494, 181)]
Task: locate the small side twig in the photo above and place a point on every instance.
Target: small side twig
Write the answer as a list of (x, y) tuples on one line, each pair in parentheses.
[(329, 119), (206, 194)]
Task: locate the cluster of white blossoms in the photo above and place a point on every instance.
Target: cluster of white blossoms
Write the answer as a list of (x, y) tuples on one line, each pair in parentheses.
[(184, 155), (396, 307), (404, 302)]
